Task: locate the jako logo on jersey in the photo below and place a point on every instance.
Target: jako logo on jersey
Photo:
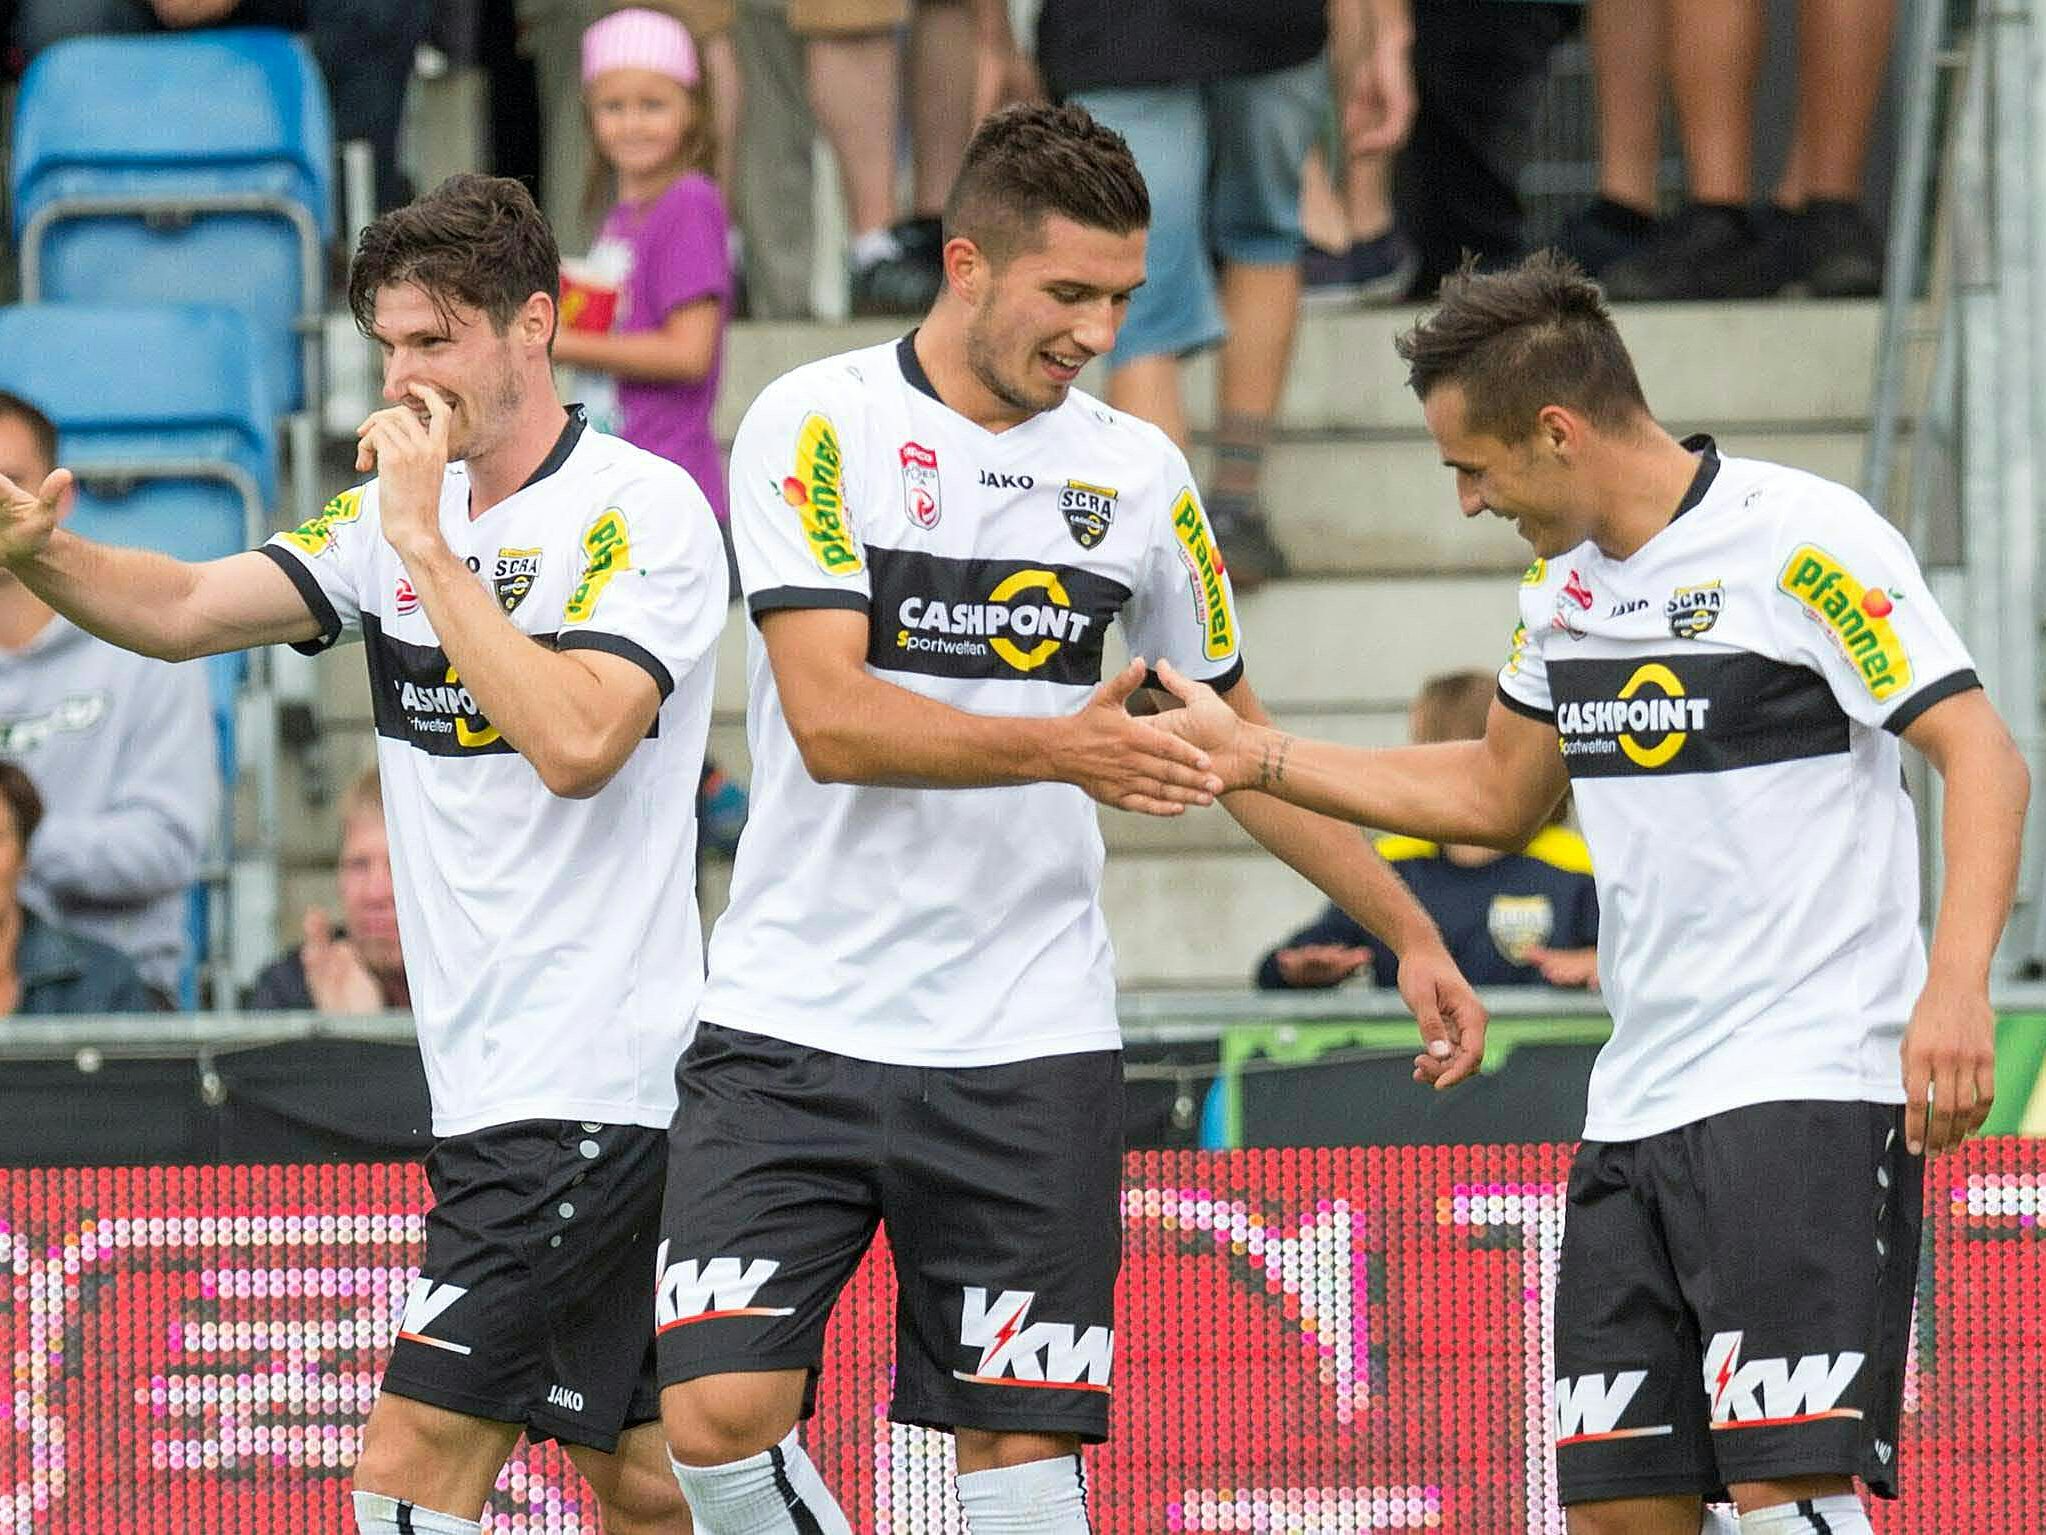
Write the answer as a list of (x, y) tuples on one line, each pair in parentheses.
[(1691, 610), (1015, 1351), (1204, 563), (995, 481), (607, 550), (514, 574), (424, 1303), (1622, 609), (561, 1396), (1051, 624), (1616, 724), (1089, 510), (1769, 1393), (817, 491), (920, 485), (692, 1291), (316, 535), (407, 599), (1861, 629), (1587, 1409)]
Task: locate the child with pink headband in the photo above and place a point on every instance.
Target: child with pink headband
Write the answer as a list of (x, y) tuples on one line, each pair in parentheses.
[(648, 309)]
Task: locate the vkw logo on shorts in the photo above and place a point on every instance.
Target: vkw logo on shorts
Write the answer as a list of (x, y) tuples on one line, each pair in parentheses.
[(513, 576), (1753, 1393), (1089, 511), (703, 1291), (425, 1302), (1014, 1351), (1692, 610)]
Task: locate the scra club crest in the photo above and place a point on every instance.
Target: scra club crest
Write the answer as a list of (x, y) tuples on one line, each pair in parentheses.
[(920, 500), (512, 577)]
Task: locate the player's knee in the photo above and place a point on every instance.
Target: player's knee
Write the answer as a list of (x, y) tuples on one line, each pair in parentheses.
[(981, 1449), (722, 1418)]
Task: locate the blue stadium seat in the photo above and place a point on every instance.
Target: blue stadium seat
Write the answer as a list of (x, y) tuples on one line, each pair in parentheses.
[(168, 424), (182, 168)]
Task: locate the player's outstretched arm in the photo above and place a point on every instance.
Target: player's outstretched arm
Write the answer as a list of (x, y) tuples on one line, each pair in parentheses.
[(853, 727), (1497, 791), (1950, 1043), (1349, 871), (141, 600)]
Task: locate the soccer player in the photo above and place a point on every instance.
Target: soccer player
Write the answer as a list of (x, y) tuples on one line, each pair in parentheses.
[(911, 1011), (538, 604), (1718, 656)]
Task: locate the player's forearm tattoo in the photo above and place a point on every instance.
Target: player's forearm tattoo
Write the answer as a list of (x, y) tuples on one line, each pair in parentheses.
[(1271, 763)]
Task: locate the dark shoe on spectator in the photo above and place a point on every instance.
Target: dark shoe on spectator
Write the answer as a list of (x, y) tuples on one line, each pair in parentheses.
[(1708, 251), (1374, 271), (1248, 549), (906, 280), (1834, 251), (1603, 233)]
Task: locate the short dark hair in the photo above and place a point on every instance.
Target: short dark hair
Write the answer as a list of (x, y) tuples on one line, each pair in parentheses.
[(1027, 162), (1534, 335), (14, 408), (24, 803), (475, 241), (1452, 706)]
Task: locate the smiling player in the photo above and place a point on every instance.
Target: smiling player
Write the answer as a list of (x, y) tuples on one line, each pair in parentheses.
[(1718, 657)]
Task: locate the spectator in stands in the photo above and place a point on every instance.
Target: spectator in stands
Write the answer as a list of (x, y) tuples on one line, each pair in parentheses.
[(43, 968), (1479, 70), (652, 317), (122, 749), (1356, 251), (357, 967), (663, 253), (550, 33), (1510, 919), (1219, 104), (1626, 38), (1718, 246), (364, 49), (856, 75)]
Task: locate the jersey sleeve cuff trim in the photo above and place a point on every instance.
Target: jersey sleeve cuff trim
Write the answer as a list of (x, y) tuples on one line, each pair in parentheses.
[(1222, 682), (1527, 710), (624, 649), (1909, 711), (774, 598), (315, 597)]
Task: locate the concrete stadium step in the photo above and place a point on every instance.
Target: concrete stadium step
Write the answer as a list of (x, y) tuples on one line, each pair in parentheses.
[(1200, 919), (1698, 362)]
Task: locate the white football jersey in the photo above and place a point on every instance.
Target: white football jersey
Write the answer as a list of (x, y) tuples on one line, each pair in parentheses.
[(553, 945), (946, 927), (1728, 701)]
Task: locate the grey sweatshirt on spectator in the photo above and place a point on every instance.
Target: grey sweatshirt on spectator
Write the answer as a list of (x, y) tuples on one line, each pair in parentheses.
[(122, 749)]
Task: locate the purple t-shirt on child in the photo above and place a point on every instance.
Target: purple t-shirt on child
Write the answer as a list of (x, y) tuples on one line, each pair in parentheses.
[(678, 255)]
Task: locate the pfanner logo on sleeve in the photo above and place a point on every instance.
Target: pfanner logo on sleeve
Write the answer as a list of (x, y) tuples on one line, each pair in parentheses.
[(1857, 617), (607, 550), (817, 491), (316, 535), (1204, 564)]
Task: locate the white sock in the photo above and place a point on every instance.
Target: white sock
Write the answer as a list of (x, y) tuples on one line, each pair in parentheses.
[(376, 1514), (1720, 1521), (1040, 1497), (777, 1492), (1841, 1514), (873, 246)]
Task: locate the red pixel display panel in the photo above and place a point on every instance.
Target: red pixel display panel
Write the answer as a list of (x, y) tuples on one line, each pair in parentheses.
[(1309, 1342)]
